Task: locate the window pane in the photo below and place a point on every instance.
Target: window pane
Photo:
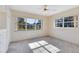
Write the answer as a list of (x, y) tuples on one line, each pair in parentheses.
[(59, 20), (59, 25), (38, 24), (30, 24), (21, 24), (68, 19), (70, 24)]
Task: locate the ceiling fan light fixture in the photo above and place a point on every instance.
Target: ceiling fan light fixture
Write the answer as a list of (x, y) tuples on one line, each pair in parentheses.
[(45, 8)]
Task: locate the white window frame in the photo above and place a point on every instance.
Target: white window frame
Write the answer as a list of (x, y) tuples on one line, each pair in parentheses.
[(75, 21), (26, 24)]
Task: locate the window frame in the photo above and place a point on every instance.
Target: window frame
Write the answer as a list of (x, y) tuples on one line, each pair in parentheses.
[(69, 22), (21, 24), (75, 20), (59, 22), (26, 24)]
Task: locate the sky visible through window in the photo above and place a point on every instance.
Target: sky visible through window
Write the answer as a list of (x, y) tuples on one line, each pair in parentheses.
[(32, 21)]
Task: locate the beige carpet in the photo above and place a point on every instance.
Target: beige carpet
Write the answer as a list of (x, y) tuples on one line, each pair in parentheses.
[(22, 46)]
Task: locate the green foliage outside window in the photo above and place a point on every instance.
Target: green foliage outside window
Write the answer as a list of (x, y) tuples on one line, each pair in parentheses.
[(28, 24)]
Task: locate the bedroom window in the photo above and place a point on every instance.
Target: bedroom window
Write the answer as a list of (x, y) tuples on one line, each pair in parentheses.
[(59, 22), (38, 24), (21, 23), (33, 24), (70, 21), (28, 24)]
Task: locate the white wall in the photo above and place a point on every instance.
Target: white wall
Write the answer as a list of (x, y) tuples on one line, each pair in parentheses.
[(68, 34), (21, 35), (2, 20), (4, 37), (3, 40)]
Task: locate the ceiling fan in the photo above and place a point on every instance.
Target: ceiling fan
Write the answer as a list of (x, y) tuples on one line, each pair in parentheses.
[(45, 8)]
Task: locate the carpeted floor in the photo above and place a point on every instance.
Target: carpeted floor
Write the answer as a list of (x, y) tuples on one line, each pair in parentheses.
[(22, 46)]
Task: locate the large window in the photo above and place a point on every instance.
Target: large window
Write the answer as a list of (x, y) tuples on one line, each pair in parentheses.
[(66, 22), (59, 22), (69, 21), (38, 24), (28, 24), (21, 24)]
